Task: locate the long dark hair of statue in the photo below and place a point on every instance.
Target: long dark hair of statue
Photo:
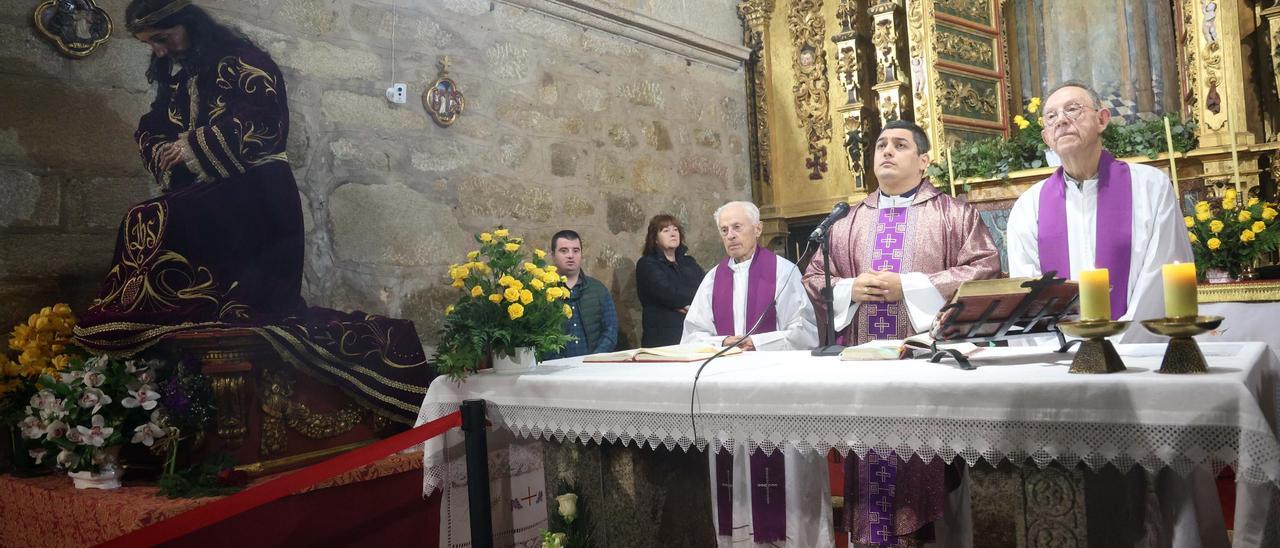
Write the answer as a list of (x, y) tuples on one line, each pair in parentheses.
[(207, 40)]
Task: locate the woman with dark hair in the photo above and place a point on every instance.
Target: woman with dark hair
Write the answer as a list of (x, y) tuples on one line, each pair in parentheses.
[(222, 246), (666, 280)]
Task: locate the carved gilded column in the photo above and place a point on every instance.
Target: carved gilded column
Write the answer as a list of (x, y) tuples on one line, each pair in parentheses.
[(809, 63), (923, 62), (1216, 79), (849, 55), (893, 101), (755, 19)]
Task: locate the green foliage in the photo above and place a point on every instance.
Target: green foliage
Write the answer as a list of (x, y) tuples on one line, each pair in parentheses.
[(509, 300), (996, 158), (207, 479)]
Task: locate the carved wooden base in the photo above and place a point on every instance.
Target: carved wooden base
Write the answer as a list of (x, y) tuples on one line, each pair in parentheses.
[(271, 417)]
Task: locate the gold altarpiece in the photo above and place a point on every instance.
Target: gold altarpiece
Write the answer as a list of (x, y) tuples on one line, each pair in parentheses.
[(826, 74)]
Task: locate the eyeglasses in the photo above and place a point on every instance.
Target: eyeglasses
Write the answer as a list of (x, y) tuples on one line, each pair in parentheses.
[(1069, 113)]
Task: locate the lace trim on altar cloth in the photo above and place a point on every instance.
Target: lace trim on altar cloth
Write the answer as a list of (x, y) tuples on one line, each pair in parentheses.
[(1253, 454)]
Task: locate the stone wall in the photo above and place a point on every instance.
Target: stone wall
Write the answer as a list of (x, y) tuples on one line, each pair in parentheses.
[(568, 124)]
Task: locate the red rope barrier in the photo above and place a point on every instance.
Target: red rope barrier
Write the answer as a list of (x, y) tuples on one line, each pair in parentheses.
[(221, 509)]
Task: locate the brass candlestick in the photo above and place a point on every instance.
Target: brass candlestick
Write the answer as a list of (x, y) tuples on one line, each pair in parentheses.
[(1183, 354), (1096, 353)]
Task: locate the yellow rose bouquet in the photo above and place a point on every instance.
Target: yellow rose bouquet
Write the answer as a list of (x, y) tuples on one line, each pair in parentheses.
[(1225, 235), (510, 298), (40, 345)]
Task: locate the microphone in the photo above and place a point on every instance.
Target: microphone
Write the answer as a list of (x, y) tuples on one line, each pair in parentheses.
[(838, 212)]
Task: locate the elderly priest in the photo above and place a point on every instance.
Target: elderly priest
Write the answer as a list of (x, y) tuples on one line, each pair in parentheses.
[(1097, 212), (760, 499)]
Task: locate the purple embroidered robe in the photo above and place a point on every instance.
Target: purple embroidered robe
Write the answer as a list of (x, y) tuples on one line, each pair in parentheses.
[(889, 500), (223, 245), (944, 238)]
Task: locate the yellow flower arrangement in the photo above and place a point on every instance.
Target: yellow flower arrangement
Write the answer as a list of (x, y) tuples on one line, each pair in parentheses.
[(1226, 235), (1189, 220), (42, 344), (510, 298), (1022, 123)]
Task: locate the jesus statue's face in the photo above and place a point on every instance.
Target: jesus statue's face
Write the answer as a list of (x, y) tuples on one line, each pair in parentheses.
[(738, 232)]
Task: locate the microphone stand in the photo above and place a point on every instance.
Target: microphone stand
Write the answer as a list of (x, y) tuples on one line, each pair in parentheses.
[(832, 348)]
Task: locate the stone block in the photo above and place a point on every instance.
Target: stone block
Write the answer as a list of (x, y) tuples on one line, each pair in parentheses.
[(100, 203), (441, 155), (84, 256), (393, 225), (500, 202), (513, 150), (507, 61), (66, 126), (351, 109), (625, 214), (362, 154), (564, 160), (425, 307), (644, 94), (27, 200), (322, 60), (656, 135), (312, 16)]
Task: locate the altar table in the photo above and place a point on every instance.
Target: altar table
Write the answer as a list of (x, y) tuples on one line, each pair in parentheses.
[(1019, 404)]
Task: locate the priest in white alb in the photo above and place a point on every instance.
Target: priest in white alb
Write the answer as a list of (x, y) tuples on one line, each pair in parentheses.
[(783, 499), (896, 259), (1097, 212)]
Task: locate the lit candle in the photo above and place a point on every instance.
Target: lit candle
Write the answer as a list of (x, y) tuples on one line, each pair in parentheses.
[(1095, 295), (951, 172), (1235, 159), (1180, 290), (1173, 166)]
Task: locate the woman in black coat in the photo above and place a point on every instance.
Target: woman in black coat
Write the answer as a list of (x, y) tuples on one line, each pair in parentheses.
[(666, 280)]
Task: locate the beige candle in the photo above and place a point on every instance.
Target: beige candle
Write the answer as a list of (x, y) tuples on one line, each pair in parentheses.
[(1095, 295), (1173, 166), (951, 172), (1235, 158), (1180, 290)]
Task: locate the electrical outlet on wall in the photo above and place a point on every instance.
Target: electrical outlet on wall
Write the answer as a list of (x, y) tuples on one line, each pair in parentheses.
[(398, 93)]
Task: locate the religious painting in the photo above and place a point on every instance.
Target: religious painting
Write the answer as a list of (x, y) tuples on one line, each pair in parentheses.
[(443, 100), (76, 27)]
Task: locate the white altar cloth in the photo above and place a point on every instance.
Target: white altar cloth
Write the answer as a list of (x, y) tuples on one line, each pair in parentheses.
[(1019, 403)]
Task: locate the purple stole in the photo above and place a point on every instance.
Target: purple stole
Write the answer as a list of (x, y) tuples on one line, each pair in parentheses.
[(762, 283), (880, 493), (886, 256), (1114, 228), (768, 473)]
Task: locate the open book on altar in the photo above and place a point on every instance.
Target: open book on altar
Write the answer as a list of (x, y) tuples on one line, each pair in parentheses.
[(899, 349), (992, 302), (673, 353)]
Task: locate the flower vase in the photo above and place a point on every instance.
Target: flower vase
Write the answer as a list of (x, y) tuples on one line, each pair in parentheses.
[(1218, 276), (107, 476), (523, 360)]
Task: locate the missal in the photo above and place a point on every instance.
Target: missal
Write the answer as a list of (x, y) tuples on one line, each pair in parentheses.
[(898, 349), (998, 300), (673, 353)]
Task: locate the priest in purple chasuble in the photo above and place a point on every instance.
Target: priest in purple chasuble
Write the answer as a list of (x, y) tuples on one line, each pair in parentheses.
[(783, 498), (896, 258), (222, 245), (1098, 212)]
